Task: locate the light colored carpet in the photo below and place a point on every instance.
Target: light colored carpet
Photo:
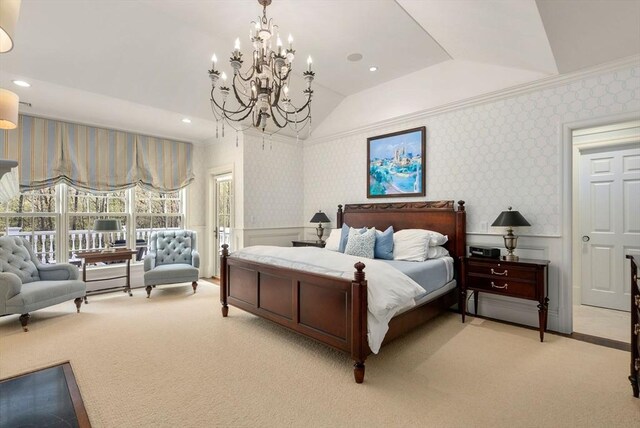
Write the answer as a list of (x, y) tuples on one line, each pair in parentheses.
[(173, 361)]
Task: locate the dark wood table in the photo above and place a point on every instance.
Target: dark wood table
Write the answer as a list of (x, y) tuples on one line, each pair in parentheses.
[(119, 255), (319, 244), (524, 279)]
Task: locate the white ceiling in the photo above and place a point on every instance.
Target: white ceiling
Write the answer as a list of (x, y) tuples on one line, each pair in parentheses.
[(141, 65)]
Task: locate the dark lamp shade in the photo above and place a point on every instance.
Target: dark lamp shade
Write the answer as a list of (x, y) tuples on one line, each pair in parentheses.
[(510, 219), (107, 225), (320, 217)]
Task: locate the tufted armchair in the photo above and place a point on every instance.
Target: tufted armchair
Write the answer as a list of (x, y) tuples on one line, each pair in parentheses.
[(172, 258), (27, 285)]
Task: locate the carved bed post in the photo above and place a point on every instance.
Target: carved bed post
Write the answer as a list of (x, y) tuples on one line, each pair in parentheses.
[(339, 218), (224, 279), (359, 321)]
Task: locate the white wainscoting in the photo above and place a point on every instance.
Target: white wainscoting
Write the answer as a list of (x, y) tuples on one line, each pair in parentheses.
[(280, 236)]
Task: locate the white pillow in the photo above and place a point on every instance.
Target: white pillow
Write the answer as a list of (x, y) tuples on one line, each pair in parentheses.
[(411, 245), (361, 244), (437, 252), (333, 241), (437, 238)]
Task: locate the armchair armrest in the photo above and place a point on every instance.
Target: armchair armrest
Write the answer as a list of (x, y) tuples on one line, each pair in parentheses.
[(195, 258), (149, 261), (58, 272), (10, 285)]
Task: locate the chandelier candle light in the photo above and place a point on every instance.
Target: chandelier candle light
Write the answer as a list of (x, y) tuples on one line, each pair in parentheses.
[(261, 92)]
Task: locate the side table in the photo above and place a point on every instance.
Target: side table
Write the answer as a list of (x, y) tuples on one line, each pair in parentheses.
[(319, 244), (525, 279), (119, 255)]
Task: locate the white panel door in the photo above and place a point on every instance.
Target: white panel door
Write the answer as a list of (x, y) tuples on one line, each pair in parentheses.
[(610, 224)]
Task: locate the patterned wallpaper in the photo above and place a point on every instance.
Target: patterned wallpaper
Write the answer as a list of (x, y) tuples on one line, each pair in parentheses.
[(493, 155), (268, 182), (273, 183)]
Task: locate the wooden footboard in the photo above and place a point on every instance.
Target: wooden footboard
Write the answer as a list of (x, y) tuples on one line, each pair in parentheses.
[(301, 301)]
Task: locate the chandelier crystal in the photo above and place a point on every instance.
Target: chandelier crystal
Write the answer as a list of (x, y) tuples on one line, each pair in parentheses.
[(260, 94)]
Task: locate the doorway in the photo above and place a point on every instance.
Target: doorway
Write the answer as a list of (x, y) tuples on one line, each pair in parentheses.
[(222, 216), (607, 227)]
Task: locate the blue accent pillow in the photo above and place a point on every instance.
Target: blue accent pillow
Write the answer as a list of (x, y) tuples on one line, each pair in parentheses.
[(345, 236), (384, 244)]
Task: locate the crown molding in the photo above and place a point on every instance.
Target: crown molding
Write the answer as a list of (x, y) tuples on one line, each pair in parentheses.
[(545, 83)]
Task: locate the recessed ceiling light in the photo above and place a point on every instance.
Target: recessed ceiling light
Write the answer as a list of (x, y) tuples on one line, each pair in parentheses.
[(186, 120), (373, 68), (22, 83), (354, 57)]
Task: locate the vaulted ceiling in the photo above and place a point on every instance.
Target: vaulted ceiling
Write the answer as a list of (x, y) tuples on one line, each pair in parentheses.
[(141, 65)]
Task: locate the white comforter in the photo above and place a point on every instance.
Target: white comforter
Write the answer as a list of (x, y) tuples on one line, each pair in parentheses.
[(388, 290)]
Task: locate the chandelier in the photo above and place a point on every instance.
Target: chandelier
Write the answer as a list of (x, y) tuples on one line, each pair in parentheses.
[(260, 94)]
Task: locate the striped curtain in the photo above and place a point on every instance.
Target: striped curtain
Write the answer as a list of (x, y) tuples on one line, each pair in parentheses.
[(163, 163), (98, 159), (94, 159), (35, 144)]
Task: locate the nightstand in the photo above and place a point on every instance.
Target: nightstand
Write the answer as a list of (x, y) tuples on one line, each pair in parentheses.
[(524, 279), (319, 244)]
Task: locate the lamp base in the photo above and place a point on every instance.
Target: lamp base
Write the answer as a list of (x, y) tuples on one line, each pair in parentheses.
[(320, 232), (510, 243)]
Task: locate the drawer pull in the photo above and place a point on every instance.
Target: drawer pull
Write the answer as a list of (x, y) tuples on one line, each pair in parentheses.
[(505, 286), (637, 299), (636, 329), (505, 272)]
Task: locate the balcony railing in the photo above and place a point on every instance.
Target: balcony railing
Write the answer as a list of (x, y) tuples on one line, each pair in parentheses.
[(44, 245), (44, 242)]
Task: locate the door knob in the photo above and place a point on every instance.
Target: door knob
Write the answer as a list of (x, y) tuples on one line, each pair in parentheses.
[(585, 238)]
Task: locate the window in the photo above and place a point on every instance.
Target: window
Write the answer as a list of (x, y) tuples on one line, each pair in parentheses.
[(84, 208), (32, 215), (156, 211), (58, 221)]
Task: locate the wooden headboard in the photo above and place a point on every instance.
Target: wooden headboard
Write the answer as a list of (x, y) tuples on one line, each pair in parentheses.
[(440, 216)]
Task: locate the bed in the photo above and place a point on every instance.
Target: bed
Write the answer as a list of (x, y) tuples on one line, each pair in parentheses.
[(333, 310)]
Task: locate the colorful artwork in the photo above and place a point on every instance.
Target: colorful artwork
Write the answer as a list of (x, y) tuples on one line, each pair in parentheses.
[(396, 164)]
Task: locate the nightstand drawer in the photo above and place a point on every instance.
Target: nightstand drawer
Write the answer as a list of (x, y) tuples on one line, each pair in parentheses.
[(499, 270), (504, 286)]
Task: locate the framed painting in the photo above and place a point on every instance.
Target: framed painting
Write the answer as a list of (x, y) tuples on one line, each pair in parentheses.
[(396, 164)]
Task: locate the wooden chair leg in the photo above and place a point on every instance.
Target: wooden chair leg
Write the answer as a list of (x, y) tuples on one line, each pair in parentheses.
[(78, 302), (24, 320), (148, 288), (194, 284)]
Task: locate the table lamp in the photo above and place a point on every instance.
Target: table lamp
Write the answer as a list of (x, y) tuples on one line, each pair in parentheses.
[(107, 226), (320, 218), (510, 219)]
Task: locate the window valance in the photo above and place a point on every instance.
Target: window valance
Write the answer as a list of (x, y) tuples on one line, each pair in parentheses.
[(97, 159)]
